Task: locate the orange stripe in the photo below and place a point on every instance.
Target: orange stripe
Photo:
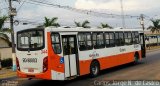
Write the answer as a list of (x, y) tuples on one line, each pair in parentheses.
[(45, 75), (108, 62)]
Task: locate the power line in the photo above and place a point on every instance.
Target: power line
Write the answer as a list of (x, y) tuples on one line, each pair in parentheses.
[(3, 8), (20, 6), (88, 12), (122, 14)]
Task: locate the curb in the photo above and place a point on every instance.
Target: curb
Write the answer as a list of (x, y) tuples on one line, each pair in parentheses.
[(8, 78), (7, 73)]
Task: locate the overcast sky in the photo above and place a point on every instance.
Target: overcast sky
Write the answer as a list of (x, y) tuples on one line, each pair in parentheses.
[(36, 13)]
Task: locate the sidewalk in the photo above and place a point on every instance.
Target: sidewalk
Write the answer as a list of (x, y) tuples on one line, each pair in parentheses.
[(7, 73), (150, 49)]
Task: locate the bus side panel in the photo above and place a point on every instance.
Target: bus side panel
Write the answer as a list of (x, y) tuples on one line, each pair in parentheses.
[(56, 68), (84, 67), (108, 62), (111, 61), (125, 58)]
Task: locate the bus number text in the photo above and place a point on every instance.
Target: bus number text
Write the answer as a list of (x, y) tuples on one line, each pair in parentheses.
[(30, 60)]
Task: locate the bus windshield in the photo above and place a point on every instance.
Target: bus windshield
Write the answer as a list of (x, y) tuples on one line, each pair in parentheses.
[(30, 40)]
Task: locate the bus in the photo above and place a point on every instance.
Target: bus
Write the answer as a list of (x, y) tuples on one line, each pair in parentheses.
[(65, 53)]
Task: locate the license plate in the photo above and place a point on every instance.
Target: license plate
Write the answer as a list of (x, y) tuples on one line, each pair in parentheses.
[(30, 70)]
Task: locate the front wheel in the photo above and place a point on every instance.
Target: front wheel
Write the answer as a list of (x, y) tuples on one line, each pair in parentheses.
[(94, 69)]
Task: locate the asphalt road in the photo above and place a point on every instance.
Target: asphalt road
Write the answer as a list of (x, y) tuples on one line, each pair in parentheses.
[(146, 69)]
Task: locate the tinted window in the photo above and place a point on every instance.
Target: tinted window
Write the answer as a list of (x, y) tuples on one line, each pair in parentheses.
[(68, 43), (128, 38), (109, 37), (29, 40), (119, 38), (112, 39), (98, 40), (135, 36), (56, 43), (85, 41)]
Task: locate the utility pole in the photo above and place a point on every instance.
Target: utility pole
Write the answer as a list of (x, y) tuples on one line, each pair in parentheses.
[(122, 14), (12, 13), (142, 21), (143, 46)]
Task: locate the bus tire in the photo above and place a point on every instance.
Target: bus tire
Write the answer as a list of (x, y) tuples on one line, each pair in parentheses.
[(136, 58), (94, 69)]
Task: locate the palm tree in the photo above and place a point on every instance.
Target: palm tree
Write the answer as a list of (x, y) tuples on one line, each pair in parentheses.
[(84, 24), (78, 24), (105, 26), (51, 22), (2, 30), (156, 25)]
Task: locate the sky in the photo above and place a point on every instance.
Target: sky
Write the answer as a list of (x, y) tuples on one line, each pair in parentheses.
[(35, 13)]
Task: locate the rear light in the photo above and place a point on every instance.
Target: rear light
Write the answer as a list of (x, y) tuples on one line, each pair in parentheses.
[(45, 64), (17, 63)]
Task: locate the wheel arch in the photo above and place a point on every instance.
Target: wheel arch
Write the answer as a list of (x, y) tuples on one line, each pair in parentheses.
[(95, 60), (137, 53)]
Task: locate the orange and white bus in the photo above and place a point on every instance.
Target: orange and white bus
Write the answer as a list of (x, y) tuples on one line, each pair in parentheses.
[(65, 53)]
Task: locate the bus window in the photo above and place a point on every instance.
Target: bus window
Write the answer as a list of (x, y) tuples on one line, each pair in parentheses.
[(107, 39), (119, 38), (89, 41), (98, 40), (111, 39), (128, 38), (85, 42), (117, 42), (30, 40), (135, 36), (56, 43)]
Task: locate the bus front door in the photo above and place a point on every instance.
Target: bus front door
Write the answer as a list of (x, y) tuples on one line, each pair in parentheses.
[(70, 54)]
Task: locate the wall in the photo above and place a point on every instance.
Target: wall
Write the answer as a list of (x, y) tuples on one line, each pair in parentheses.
[(5, 53), (3, 43)]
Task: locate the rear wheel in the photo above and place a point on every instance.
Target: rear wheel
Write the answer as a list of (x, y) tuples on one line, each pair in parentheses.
[(94, 69), (136, 58)]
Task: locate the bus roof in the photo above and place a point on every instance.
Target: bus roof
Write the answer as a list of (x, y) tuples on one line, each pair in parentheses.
[(81, 29)]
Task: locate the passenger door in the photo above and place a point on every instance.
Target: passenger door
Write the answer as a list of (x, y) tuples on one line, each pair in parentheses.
[(70, 54)]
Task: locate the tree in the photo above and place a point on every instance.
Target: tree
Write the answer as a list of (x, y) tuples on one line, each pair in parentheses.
[(78, 24), (84, 24), (2, 30), (156, 25), (51, 22), (105, 26)]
